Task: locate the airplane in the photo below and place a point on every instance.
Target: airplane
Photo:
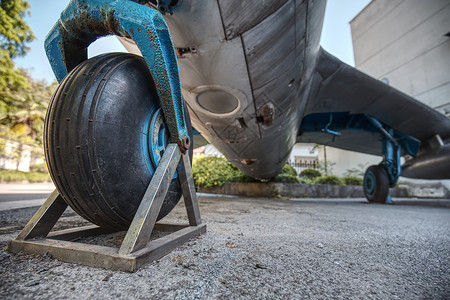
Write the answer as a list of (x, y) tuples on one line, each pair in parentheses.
[(255, 81)]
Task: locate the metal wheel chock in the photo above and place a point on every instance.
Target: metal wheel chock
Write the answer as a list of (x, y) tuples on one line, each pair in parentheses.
[(137, 248)]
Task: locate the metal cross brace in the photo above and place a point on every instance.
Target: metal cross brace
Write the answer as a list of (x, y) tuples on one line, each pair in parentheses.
[(138, 235)]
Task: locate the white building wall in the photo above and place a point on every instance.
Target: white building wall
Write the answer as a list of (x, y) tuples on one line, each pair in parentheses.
[(407, 43), (341, 161), (303, 156)]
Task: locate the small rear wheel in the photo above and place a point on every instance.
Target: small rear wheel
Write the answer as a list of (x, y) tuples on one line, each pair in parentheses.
[(376, 184)]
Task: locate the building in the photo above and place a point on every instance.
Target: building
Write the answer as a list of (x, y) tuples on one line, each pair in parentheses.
[(304, 156), (407, 45)]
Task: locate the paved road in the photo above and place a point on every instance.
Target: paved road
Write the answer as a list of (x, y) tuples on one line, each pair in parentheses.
[(19, 195), (262, 249)]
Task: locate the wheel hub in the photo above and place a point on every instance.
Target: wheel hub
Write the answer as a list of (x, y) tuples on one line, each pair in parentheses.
[(370, 183), (158, 138)]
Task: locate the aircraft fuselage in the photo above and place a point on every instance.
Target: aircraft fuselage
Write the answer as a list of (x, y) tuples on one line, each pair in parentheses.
[(245, 68)]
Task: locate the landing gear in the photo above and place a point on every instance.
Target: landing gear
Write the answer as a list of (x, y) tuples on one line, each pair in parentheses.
[(378, 179), (117, 140), (104, 137), (376, 184)]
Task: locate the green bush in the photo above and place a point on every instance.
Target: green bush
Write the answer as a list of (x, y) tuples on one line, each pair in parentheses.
[(306, 180), (329, 180), (288, 170), (40, 168), (353, 180), (241, 177), (212, 171), (286, 178), (215, 171), (18, 176), (310, 173)]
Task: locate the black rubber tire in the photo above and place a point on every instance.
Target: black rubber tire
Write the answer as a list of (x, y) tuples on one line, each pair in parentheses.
[(96, 139), (376, 184)]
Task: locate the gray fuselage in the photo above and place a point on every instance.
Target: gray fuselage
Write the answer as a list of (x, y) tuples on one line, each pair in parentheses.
[(246, 69)]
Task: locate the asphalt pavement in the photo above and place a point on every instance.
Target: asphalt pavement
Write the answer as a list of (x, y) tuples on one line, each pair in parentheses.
[(263, 249), (19, 195)]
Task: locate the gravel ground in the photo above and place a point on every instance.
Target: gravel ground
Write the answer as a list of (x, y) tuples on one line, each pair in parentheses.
[(261, 248)]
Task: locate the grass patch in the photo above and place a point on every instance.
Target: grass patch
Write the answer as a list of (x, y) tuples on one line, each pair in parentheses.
[(18, 176)]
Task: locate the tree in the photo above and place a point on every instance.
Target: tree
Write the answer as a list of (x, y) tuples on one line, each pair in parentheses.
[(23, 100), (14, 36), (27, 109)]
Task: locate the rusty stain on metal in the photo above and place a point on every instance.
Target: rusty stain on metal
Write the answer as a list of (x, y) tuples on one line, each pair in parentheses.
[(265, 114), (248, 161)]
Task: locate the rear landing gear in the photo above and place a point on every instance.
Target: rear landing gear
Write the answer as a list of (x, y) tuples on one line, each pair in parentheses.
[(379, 178), (376, 184)]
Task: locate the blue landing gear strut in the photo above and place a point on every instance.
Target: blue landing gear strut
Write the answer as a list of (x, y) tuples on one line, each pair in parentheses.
[(379, 178), (83, 21)]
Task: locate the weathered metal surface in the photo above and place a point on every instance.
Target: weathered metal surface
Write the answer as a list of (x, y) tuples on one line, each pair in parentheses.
[(160, 247), (217, 64), (286, 67), (391, 157), (340, 88), (136, 248), (355, 126), (432, 164), (45, 218), (189, 192), (141, 227), (239, 16), (73, 234), (107, 257), (222, 64), (84, 21)]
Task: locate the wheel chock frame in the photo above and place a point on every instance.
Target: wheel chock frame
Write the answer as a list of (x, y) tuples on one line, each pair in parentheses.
[(137, 248)]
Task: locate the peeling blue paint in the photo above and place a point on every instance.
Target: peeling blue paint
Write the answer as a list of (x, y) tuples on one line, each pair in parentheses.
[(84, 21)]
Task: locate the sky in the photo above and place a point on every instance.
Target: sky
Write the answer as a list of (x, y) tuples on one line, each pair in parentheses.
[(336, 35)]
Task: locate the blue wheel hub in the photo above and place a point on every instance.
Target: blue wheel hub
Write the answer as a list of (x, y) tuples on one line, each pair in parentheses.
[(370, 183), (158, 138)]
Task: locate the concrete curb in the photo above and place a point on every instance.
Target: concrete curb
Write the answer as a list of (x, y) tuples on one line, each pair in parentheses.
[(302, 190)]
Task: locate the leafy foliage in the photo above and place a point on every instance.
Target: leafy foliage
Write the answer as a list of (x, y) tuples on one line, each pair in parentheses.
[(212, 171), (288, 175), (288, 170), (353, 180), (242, 177), (23, 100), (286, 178), (17, 176), (356, 172), (24, 112), (310, 173), (14, 30), (306, 180), (215, 171), (14, 35), (334, 180), (326, 167), (39, 168)]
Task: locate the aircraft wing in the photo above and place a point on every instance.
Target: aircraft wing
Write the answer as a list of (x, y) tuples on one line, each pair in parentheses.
[(350, 95)]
